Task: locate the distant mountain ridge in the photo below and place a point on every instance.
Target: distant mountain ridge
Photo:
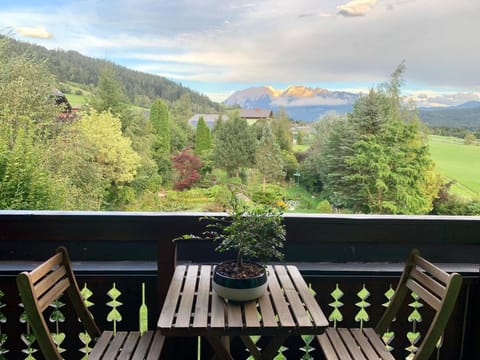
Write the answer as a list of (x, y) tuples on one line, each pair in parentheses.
[(300, 102), (309, 104)]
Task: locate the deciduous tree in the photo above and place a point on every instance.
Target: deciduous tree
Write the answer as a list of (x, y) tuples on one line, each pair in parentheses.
[(186, 166), (108, 147)]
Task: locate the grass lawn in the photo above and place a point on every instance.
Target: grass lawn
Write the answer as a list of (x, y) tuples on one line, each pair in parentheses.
[(458, 162), (306, 203), (75, 100)]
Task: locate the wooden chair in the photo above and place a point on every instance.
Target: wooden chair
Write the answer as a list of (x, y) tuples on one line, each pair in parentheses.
[(46, 283), (434, 286)]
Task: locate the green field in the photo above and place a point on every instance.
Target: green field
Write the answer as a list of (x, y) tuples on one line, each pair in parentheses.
[(458, 162)]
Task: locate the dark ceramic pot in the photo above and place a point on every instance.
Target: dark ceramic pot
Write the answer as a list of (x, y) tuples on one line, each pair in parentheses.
[(240, 289)]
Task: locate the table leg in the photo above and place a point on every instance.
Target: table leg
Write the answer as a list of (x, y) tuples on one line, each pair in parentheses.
[(251, 347), (272, 347), (221, 346), (270, 350)]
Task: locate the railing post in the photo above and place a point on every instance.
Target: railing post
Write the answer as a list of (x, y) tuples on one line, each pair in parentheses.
[(165, 268)]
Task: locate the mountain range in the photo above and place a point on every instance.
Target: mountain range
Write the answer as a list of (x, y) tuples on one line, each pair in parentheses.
[(308, 104), (300, 102)]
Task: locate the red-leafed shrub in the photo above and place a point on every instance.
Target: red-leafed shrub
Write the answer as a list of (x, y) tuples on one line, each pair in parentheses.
[(186, 165)]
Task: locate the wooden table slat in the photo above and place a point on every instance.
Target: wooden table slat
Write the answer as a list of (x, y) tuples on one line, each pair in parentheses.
[(316, 313), (185, 309), (296, 305), (269, 320), (234, 315), (200, 316), (251, 315), (278, 299), (170, 305), (217, 319)]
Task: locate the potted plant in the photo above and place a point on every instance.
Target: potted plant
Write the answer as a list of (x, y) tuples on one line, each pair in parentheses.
[(255, 234)]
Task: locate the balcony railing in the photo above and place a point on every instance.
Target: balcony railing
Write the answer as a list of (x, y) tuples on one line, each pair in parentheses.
[(351, 263)]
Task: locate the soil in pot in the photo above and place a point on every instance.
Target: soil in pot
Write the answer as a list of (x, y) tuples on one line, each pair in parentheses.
[(248, 270)]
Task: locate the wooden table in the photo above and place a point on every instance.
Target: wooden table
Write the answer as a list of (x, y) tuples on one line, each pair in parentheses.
[(288, 308)]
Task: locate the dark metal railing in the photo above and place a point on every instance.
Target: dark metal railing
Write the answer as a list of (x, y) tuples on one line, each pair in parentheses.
[(349, 252)]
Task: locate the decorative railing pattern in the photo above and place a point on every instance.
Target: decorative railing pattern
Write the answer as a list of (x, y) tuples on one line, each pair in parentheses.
[(307, 346), (3, 320), (326, 246)]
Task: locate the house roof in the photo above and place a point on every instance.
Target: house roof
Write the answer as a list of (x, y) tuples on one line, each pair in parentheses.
[(256, 113), (209, 119)]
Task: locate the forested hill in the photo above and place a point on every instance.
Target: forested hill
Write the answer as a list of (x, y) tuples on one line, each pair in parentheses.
[(454, 117), (141, 88)]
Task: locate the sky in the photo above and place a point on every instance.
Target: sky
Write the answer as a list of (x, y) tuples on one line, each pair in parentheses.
[(216, 47)]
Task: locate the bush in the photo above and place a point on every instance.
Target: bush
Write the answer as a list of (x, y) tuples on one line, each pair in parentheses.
[(272, 196), (448, 204), (223, 196), (324, 207), (457, 206)]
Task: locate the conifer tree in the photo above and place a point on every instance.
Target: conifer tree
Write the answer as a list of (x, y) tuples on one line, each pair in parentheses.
[(234, 145), (377, 160), (269, 157), (161, 128), (203, 137), (109, 95)]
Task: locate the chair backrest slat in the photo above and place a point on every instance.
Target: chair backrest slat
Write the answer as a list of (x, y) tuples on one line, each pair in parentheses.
[(424, 294), (432, 269), (44, 268), (49, 280), (45, 284), (53, 294), (435, 287)]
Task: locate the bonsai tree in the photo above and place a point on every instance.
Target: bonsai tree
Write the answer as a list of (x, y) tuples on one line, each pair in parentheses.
[(254, 233)]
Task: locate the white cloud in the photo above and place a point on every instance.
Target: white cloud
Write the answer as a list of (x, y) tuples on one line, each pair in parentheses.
[(356, 7), (273, 41), (429, 98), (219, 96), (34, 32), (309, 101)]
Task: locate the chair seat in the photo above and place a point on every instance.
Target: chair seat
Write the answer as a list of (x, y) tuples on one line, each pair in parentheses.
[(128, 346), (353, 344)]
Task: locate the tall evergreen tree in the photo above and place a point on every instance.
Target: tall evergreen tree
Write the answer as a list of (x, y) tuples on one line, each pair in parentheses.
[(203, 137), (234, 145), (109, 95), (269, 159), (182, 134), (159, 117), (377, 161), (281, 129)]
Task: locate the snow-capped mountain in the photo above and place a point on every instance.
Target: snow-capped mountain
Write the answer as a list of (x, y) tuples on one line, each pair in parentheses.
[(300, 102)]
